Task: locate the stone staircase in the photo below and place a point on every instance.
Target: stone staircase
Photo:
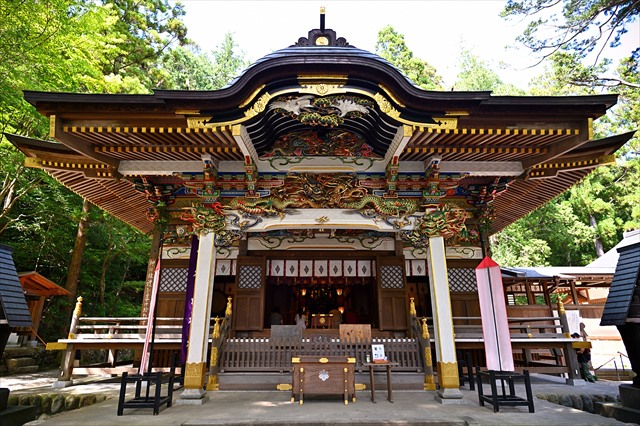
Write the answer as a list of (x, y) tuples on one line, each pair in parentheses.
[(19, 360)]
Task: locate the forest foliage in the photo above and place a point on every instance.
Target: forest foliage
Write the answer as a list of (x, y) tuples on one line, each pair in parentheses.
[(127, 46)]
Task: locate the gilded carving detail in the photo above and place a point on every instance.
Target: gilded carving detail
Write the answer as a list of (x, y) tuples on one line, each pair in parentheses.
[(429, 383), (258, 106), (334, 143), (284, 387), (194, 375), (251, 96), (212, 384), (198, 122), (385, 106), (447, 221), (216, 329), (448, 375), (328, 111), (391, 95), (445, 123), (227, 312), (214, 356)]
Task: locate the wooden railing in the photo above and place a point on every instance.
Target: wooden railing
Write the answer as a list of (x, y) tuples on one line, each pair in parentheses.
[(221, 330), (113, 334), (420, 331), (264, 354), (541, 344)]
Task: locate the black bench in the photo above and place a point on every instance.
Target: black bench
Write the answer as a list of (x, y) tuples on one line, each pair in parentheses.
[(148, 400), (505, 399)]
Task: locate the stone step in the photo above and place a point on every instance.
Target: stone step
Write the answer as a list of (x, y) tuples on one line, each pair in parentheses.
[(18, 352), (13, 363), (270, 381), (25, 370)]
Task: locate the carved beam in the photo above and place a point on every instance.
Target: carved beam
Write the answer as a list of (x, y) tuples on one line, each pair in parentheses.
[(80, 145)]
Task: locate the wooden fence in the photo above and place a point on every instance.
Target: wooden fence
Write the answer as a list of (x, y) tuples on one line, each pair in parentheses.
[(275, 354)]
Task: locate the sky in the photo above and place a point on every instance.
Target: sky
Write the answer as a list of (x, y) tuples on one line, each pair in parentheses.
[(434, 30)]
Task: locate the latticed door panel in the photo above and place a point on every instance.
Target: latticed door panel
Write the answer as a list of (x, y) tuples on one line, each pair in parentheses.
[(392, 301), (249, 305)]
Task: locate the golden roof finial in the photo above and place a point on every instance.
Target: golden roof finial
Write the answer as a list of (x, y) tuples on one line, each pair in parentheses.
[(322, 9)]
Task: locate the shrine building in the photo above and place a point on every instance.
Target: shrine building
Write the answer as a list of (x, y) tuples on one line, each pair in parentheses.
[(320, 180)]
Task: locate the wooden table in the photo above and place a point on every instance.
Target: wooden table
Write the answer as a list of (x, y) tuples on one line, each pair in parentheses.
[(372, 366), (323, 375)]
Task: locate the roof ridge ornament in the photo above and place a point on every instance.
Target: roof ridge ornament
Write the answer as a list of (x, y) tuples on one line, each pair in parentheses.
[(322, 37)]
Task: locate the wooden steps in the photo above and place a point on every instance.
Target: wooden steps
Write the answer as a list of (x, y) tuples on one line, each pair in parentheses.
[(270, 381)]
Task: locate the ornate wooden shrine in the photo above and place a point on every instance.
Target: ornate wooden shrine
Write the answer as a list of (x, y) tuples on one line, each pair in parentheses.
[(320, 178)]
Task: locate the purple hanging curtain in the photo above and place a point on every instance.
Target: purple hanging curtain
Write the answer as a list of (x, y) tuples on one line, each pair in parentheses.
[(188, 301)]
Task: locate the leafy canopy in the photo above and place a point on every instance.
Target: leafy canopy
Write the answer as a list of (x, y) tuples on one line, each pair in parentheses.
[(392, 47), (586, 28)]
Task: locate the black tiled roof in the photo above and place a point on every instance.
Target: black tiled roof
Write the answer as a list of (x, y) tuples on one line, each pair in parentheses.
[(14, 305), (623, 286)]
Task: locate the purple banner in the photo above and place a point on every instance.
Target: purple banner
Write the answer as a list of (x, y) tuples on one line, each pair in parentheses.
[(188, 301)]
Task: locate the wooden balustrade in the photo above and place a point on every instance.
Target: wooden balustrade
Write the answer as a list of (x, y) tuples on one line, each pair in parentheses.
[(264, 354)]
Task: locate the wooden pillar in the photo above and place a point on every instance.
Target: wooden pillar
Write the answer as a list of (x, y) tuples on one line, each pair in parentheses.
[(574, 293), (37, 316), (447, 363), (547, 298), (195, 370), (151, 268), (531, 298)]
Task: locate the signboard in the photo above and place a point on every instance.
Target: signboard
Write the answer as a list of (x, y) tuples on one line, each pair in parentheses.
[(377, 352)]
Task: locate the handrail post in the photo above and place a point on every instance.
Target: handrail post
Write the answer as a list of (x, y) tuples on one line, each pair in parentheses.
[(218, 337), (412, 315), (570, 355), (68, 358), (429, 381), (562, 313), (75, 318)]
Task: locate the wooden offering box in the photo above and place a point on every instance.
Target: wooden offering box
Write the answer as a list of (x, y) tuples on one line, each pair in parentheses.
[(314, 375)]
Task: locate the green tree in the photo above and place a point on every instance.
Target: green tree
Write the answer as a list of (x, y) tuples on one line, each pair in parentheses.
[(147, 29), (392, 47), (586, 28), (188, 68), (477, 75), (228, 61), (74, 46), (549, 236)]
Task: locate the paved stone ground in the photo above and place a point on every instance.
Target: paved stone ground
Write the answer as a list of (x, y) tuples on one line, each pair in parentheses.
[(275, 407)]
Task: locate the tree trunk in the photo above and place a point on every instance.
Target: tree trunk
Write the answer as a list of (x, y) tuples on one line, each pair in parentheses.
[(76, 260), (596, 239)]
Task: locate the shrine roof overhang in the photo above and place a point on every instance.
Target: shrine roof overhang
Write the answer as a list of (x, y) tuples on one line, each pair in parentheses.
[(202, 121), (35, 284), (102, 186), (550, 179), (88, 178), (557, 277), (544, 143)]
